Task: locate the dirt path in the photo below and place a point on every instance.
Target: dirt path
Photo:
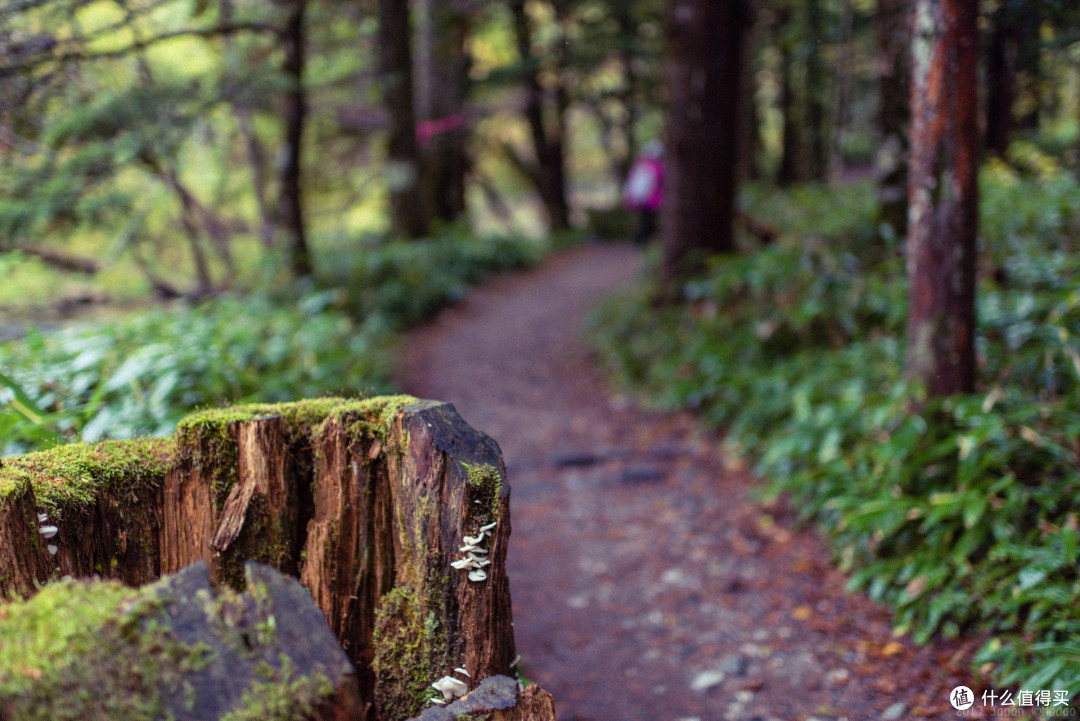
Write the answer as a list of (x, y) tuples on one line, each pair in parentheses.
[(646, 586)]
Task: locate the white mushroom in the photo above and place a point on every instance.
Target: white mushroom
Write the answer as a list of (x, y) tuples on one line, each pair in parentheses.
[(48, 531), (52, 549), (459, 669), (471, 549), (473, 540), (477, 549), (438, 701), (464, 563), (489, 526), (478, 574), (42, 517), (450, 687)]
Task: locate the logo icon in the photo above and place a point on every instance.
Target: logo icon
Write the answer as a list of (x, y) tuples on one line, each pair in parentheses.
[(961, 698)]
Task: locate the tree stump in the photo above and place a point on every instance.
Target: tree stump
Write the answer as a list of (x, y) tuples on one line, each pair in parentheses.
[(393, 513)]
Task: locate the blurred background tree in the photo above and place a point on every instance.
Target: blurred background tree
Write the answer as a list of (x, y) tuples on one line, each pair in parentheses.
[(199, 145)]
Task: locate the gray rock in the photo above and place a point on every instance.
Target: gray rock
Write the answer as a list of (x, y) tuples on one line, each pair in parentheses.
[(894, 712), (495, 693)]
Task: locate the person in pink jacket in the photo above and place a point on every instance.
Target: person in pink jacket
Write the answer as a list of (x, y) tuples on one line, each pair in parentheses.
[(643, 190)]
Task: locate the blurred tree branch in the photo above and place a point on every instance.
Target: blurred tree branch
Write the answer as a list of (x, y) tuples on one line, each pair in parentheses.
[(8, 69)]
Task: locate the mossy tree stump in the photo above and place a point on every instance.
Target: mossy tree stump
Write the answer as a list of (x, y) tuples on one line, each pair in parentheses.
[(367, 501)]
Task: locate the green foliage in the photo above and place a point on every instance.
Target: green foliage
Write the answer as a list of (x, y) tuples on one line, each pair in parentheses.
[(960, 513), (141, 375), (405, 282)]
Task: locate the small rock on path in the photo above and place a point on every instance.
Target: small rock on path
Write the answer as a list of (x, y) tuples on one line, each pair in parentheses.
[(646, 585)]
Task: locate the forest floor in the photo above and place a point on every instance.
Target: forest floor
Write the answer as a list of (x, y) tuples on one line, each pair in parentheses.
[(647, 584)]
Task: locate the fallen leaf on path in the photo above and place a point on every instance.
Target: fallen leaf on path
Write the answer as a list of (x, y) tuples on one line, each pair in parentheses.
[(891, 649), (885, 686)]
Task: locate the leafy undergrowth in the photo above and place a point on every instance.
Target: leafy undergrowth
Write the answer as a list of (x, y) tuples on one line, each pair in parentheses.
[(964, 515), (139, 376)]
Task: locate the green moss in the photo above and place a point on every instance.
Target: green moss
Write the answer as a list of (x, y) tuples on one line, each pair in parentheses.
[(372, 417), (300, 418), (485, 485), (12, 482), (207, 439), (72, 477), (411, 650), (59, 651), (283, 697), (276, 701)]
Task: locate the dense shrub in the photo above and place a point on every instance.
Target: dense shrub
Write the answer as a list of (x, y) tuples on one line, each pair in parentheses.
[(405, 282), (963, 514)]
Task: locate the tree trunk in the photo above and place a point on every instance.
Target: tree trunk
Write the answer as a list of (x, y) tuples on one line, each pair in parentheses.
[(840, 97), (368, 501), (548, 137), (893, 65), (410, 219), (1027, 20), (943, 197), (748, 166), (815, 92), (1000, 81), (294, 114), (629, 91), (701, 150), (442, 85), (790, 170)]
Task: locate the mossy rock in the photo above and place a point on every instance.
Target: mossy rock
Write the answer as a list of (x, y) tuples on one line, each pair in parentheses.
[(176, 649)]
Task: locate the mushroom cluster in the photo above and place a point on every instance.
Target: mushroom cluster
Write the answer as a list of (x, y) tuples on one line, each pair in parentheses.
[(475, 556), (450, 687), (47, 531)]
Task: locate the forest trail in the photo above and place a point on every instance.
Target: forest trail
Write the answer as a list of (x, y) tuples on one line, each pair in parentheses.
[(646, 585)]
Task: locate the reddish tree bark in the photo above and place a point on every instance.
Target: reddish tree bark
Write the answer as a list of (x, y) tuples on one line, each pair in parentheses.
[(943, 192), (703, 71)]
